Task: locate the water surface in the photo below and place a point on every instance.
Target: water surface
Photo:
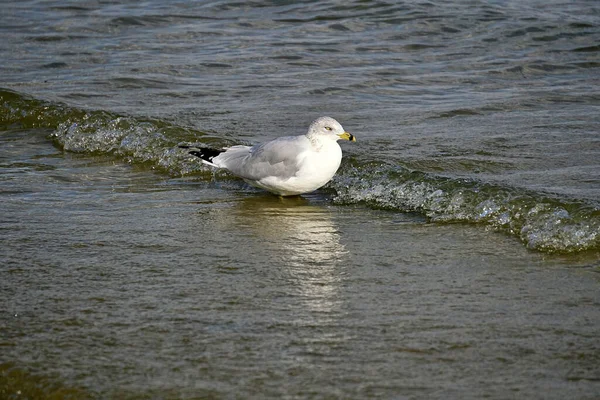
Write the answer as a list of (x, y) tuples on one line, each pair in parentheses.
[(454, 255)]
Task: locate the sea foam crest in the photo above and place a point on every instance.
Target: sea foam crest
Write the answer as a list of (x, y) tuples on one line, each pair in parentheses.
[(541, 222), (135, 141)]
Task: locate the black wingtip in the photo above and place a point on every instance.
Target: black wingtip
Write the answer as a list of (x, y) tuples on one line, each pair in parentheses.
[(205, 153)]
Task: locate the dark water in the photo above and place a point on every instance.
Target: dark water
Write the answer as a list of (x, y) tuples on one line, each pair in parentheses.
[(455, 254)]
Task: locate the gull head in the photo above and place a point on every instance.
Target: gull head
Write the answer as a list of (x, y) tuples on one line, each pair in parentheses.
[(328, 127)]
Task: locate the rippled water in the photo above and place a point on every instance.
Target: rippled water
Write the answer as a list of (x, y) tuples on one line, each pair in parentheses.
[(454, 255)]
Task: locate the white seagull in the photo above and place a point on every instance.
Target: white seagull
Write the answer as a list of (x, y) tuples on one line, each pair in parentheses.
[(286, 166)]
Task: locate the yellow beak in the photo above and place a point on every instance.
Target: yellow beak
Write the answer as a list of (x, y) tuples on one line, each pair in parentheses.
[(347, 136)]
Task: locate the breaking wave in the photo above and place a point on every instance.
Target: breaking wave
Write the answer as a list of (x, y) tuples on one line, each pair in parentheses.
[(540, 221)]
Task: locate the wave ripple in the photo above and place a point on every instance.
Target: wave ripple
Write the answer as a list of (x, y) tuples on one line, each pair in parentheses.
[(541, 222)]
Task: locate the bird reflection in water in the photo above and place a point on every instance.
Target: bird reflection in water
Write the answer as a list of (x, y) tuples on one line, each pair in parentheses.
[(301, 244)]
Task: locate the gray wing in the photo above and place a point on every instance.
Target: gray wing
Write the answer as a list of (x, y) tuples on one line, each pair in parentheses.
[(280, 157)]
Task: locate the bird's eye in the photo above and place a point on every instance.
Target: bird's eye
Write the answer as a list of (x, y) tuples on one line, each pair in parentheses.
[(328, 128)]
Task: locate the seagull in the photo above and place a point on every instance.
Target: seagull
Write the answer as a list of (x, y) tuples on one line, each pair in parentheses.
[(288, 165)]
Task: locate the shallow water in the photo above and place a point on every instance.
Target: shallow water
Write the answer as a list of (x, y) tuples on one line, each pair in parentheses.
[(455, 254)]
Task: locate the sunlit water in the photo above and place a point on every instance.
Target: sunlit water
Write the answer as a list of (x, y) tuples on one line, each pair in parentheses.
[(455, 254)]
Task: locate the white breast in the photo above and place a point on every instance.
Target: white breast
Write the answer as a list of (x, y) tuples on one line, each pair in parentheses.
[(316, 170)]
